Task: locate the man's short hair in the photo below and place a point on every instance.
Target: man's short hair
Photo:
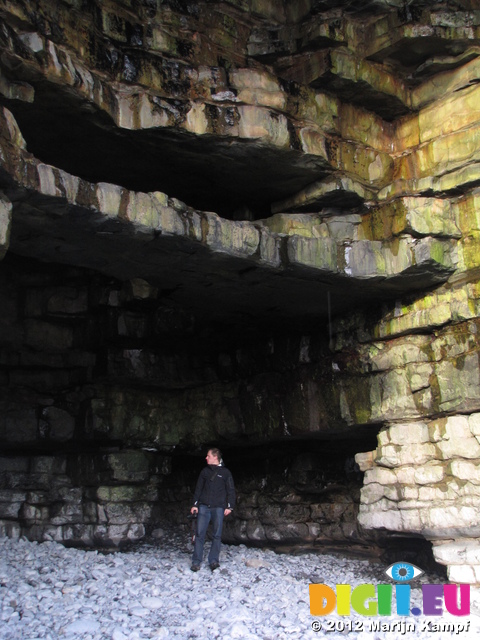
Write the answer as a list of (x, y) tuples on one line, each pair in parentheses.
[(216, 452)]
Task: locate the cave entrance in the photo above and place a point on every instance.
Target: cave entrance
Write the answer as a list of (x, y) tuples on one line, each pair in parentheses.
[(108, 392), (296, 497)]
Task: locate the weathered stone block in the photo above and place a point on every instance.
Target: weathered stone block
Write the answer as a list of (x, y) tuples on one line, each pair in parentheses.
[(67, 513), (396, 455), (101, 515), (255, 531), (412, 518), (120, 513), (126, 493), (19, 425), (48, 336), (474, 423), (66, 301), (459, 447), (392, 492), (381, 475), (89, 509), (112, 535), (430, 311), (10, 529), (372, 493), (35, 514), (380, 516), (409, 433), (5, 221), (10, 510), (18, 464), (10, 495), (464, 574), (257, 122), (390, 397), (61, 425), (409, 493), (70, 494), (139, 289), (258, 88), (326, 512), (364, 460), (313, 252), (109, 198), (435, 121), (130, 466), (457, 427), (458, 552), (423, 216), (78, 534), (465, 470), (406, 350), (53, 465), (419, 378), (458, 383), (235, 238), (435, 494), (448, 520), (286, 533), (383, 437), (314, 529), (406, 475), (429, 473), (350, 530), (38, 498), (270, 514)]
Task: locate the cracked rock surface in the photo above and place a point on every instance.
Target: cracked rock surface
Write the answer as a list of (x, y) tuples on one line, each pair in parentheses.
[(244, 222)]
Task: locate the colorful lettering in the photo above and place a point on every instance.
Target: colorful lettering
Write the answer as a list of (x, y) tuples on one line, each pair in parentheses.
[(402, 594), (384, 599), (450, 595), (359, 600), (343, 599), (368, 601), (432, 599), (322, 599)]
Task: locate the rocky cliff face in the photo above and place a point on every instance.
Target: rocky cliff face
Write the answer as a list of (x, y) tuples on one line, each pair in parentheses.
[(241, 223)]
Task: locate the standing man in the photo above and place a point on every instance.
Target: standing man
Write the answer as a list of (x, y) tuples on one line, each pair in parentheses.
[(214, 498)]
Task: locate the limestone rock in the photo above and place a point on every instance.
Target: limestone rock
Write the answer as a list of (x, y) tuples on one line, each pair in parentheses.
[(59, 423), (5, 221), (437, 498), (151, 303)]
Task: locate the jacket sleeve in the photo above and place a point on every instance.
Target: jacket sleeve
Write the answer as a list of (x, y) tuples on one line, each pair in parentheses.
[(230, 492), (199, 488)]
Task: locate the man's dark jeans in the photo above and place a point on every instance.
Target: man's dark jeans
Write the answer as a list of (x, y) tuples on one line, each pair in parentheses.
[(205, 514)]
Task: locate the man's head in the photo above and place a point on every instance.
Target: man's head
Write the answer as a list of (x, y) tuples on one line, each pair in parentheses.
[(214, 456)]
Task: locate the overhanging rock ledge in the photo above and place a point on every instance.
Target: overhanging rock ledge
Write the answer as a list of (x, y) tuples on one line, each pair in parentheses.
[(254, 224)]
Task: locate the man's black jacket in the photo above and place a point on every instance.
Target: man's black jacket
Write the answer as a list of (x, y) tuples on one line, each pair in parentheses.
[(215, 488)]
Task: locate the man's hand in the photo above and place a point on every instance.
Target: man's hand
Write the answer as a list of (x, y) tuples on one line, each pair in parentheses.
[(194, 510), (227, 512)]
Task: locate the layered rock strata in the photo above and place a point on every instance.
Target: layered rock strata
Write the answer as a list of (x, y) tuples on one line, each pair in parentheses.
[(219, 176), (423, 478)]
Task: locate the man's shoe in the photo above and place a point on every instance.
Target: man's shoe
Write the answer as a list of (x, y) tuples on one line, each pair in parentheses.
[(214, 566), (194, 567)]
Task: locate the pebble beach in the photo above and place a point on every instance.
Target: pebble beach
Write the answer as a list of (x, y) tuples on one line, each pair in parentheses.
[(52, 592)]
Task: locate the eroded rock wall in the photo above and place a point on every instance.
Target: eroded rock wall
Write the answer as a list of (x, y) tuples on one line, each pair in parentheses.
[(423, 478), (277, 205), (94, 499), (108, 384)]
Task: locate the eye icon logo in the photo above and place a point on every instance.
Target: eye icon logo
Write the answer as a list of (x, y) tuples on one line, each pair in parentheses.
[(403, 571)]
